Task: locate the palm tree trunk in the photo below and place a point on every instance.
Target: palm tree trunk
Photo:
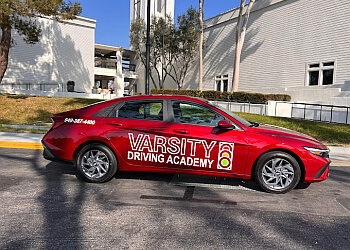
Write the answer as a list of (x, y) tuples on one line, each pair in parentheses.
[(4, 50)]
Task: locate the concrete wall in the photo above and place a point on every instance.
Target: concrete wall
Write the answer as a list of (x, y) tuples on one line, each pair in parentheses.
[(283, 36), (54, 93), (65, 52)]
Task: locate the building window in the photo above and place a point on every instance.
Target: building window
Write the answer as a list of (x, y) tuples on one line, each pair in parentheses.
[(221, 83), (137, 9), (159, 7), (320, 73)]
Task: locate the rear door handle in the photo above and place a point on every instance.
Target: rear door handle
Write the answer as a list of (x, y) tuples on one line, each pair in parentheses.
[(114, 124), (181, 131)]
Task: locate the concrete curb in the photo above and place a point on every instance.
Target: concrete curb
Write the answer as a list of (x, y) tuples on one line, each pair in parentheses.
[(46, 128)]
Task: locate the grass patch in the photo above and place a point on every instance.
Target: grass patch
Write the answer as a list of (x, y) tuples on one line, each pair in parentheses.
[(328, 133), (27, 109), (16, 130)]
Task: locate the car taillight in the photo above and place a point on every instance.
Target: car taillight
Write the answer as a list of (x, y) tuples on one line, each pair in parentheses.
[(55, 124)]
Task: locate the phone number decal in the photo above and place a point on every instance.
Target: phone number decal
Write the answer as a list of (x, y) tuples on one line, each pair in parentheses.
[(79, 121)]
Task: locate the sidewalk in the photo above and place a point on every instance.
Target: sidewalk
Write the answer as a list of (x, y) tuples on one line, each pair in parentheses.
[(340, 156), (20, 140)]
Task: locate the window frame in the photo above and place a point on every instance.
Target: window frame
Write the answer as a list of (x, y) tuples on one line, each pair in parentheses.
[(320, 69)]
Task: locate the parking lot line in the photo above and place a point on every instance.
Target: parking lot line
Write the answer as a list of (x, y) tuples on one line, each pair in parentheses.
[(342, 155), (27, 145)]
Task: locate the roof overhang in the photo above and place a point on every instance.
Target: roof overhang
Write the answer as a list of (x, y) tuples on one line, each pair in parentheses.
[(110, 51)]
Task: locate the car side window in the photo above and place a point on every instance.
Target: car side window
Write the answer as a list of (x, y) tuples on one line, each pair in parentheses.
[(190, 113), (141, 110)]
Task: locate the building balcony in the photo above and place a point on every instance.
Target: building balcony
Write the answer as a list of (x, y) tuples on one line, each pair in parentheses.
[(110, 71)]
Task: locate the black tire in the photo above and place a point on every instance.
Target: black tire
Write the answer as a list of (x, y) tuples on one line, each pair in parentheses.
[(277, 172), (96, 163)]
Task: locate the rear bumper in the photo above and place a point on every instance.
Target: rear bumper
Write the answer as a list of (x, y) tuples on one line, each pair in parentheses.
[(48, 154)]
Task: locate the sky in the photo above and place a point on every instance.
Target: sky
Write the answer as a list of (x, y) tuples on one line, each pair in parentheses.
[(113, 16)]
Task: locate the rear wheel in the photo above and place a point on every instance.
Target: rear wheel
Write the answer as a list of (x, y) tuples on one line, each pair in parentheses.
[(96, 163), (277, 172)]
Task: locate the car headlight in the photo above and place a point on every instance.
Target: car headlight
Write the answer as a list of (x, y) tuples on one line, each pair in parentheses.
[(319, 152)]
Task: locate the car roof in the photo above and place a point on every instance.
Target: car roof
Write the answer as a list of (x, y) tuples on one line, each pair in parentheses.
[(181, 97)]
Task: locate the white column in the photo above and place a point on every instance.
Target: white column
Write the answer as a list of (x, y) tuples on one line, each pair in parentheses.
[(119, 79)]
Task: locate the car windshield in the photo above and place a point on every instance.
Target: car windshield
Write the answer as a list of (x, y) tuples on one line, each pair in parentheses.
[(234, 116)]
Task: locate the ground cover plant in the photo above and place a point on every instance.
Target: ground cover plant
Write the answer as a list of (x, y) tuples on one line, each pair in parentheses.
[(18, 109)]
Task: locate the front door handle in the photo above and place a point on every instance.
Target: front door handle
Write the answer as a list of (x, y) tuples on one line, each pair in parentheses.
[(114, 124), (181, 131)]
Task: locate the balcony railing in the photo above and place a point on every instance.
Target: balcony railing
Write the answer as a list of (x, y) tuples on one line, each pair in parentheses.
[(113, 65), (129, 67), (106, 65)]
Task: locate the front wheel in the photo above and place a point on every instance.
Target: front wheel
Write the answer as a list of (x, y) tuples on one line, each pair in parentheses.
[(277, 172), (96, 163)]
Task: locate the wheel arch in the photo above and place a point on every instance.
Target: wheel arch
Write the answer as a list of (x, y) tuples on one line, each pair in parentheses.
[(296, 157), (77, 150)]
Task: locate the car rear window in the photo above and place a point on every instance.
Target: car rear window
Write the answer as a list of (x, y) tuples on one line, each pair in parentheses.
[(142, 110)]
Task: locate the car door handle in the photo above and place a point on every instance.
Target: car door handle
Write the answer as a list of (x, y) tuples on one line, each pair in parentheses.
[(181, 131), (114, 124)]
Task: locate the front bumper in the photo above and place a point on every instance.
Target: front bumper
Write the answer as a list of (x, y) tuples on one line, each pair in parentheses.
[(324, 171)]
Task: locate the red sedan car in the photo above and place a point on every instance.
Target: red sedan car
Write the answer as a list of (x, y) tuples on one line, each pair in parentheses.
[(178, 134)]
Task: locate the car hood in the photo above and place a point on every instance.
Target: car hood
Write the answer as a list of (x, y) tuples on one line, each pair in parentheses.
[(283, 132)]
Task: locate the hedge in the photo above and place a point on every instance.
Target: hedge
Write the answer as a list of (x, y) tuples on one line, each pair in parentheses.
[(224, 96)]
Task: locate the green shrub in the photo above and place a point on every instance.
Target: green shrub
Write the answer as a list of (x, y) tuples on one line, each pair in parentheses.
[(224, 96), (194, 93), (278, 97)]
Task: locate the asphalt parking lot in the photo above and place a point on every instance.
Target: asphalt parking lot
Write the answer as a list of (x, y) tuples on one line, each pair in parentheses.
[(44, 206)]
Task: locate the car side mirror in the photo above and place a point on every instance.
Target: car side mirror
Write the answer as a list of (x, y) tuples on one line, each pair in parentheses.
[(225, 124)]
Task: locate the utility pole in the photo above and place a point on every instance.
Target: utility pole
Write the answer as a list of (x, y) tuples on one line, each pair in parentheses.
[(200, 84), (148, 47)]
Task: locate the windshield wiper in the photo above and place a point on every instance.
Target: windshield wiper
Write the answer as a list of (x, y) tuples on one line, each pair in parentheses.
[(254, 124)]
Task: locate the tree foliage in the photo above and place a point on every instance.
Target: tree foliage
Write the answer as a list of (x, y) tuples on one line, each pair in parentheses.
[(189, 30), (162, 48), (21, 15), (173, 46)]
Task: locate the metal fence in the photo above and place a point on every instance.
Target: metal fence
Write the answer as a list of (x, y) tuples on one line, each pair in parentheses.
[(321, 112), (305, 111), (35, 86)]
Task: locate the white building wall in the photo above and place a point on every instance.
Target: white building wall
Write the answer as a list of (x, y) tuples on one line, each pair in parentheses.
[(283, 36), (65, 52), (158, 8)]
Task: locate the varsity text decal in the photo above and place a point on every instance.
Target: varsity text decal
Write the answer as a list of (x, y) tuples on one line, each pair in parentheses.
[(175, 151)]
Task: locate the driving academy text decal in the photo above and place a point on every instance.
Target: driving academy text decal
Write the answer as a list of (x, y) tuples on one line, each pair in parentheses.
[(182, 152)]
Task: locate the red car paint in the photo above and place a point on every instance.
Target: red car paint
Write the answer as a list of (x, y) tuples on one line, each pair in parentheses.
[(166, 146)]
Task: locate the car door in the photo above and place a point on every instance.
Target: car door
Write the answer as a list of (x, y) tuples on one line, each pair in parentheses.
[(205, 147), (134, 128)]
